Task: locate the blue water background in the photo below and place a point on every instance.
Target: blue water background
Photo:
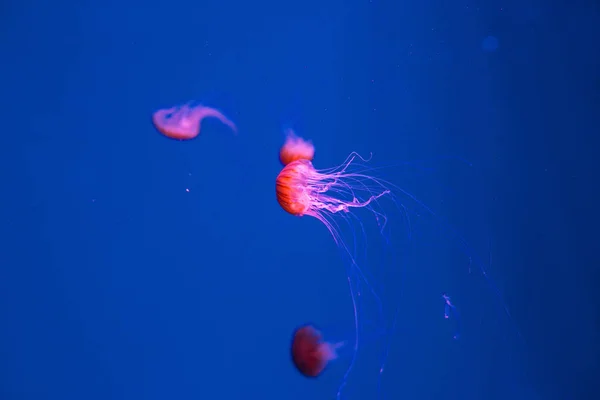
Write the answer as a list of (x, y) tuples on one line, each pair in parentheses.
[(117, 283)]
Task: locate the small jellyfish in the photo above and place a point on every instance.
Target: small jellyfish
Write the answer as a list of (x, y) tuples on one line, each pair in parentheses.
[(295, 148), (183, 122), (310, 354)]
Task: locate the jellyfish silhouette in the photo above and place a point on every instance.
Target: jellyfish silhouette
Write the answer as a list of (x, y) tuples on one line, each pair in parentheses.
[(489, 44), (310, 353), (183, 122)]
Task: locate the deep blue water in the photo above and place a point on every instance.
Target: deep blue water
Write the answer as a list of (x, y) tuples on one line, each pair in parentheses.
[(117, 283)]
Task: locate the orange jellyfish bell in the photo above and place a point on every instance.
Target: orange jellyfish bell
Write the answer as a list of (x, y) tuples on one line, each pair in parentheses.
[(295, 148), (293, 193)]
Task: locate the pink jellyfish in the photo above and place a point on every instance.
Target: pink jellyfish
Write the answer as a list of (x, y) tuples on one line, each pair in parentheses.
[(183, 122), (295, 148), (310, 354), (303, 190)]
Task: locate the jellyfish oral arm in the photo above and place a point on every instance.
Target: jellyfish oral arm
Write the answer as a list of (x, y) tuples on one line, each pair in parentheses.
[(328, 351), (208, 112)]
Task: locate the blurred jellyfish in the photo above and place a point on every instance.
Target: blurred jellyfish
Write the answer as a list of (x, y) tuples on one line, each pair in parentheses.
[(374, 263), (183, 122), (489, 44), (295, 148), (310, 353)]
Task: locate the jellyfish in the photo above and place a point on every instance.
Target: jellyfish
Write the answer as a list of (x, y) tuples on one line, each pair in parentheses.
[(183, 122), (302, 190), (352, 201), (310, 353), (295, 148)]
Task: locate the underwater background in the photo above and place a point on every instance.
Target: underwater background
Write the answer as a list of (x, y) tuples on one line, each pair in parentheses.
[(137, 267)]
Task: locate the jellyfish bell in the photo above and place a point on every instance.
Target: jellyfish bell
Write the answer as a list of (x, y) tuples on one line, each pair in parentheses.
[(291, 187), (295, 148), (310, 353)]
